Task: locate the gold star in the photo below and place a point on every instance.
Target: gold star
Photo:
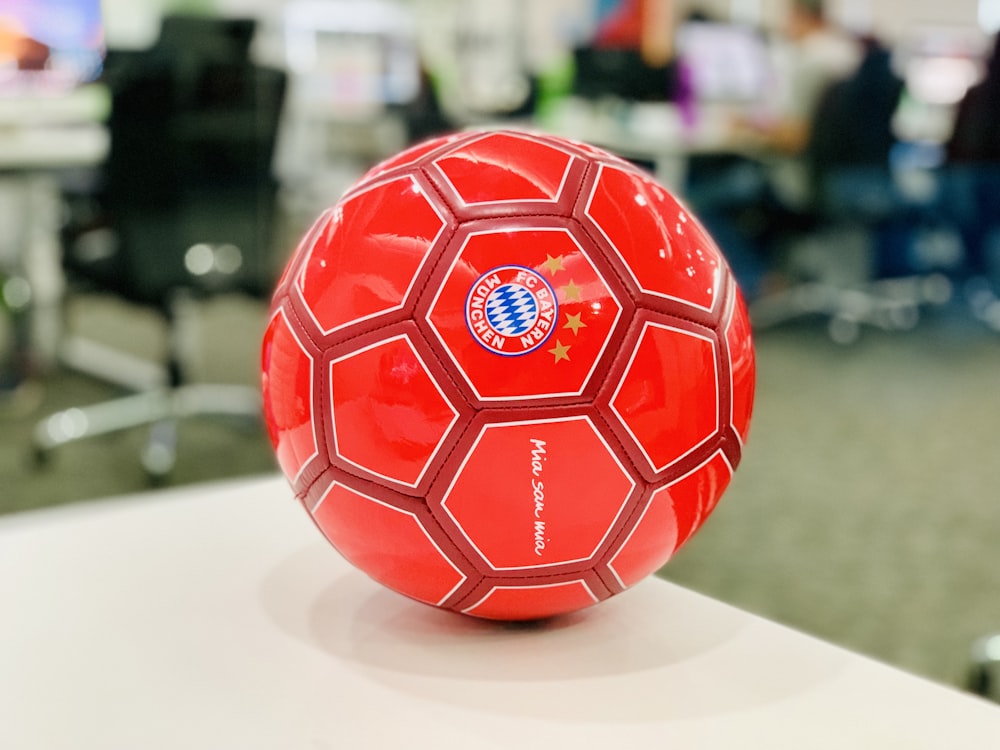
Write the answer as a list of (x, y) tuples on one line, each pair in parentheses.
[(572, 291), (560, 351), (574, 323), (554, 264)]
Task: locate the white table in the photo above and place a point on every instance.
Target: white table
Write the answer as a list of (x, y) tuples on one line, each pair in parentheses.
[(44, 132), (215, 617)]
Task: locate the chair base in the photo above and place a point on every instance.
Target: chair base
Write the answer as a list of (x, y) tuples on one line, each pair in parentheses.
[(160, 409), (111, 365), (887, 304)]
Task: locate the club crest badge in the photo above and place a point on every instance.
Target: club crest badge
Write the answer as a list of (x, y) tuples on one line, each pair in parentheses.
[(511, 310)]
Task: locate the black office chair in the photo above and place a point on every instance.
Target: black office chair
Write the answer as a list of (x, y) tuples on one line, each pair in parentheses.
[(190, 201), (854, 192)]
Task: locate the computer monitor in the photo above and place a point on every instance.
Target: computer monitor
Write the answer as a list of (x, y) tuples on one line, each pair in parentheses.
[(352, 55), (49, 46), (622, 73), (726, 62)]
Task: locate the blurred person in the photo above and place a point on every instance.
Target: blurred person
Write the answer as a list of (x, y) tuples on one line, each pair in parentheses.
[(973, 176), (853, 128), (619, 24), (643, 25), (975, 137), (814, 54), (752, 204), (848, 158)]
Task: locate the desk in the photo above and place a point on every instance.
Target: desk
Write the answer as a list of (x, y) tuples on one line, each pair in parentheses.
[(40, 135), (651, 132), (215, 617), (52, 147)]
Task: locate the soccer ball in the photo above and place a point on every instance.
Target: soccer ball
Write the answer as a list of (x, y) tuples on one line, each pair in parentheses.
[(508, 374)]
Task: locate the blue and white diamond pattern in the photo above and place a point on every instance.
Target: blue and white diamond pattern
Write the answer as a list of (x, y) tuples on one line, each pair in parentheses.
[(512, 310)]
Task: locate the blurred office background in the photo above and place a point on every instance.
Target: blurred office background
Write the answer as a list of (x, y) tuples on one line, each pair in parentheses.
[(864, 511)]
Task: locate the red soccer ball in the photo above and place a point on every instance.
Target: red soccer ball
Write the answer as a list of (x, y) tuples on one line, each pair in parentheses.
[(508, 374)]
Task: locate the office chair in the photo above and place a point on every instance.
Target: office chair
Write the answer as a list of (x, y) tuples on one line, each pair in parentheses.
[(190, 200), (854, 195)]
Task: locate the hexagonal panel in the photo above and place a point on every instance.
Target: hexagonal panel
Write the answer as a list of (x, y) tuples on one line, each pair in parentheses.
[(482, 171), (287, 382), (532, 602), (524, 313), (387, 543), (410, 155), (521, 499), (666, 251), (304, 247), (390, 417), (742, 367), (668, 398), (673, 514), (650, 544), (367, 259), (696, 494)]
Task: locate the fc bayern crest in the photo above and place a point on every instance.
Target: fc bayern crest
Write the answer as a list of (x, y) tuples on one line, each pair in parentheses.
[(511, 310)]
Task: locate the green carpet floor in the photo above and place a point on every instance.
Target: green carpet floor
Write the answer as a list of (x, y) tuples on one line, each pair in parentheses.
[(865, 510)]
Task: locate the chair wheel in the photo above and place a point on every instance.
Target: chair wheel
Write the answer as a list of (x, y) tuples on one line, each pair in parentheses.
[(843, 330), (160, 454), (40, 456)]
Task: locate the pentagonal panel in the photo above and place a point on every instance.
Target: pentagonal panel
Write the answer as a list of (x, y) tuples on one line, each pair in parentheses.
[(302, 249), (668, 398), (533, 602), (389, 416), (742, 367), (287, 381), (524, 313), (664, 249), (482, 171), (388, 543), (536, 494), (366, 260)]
